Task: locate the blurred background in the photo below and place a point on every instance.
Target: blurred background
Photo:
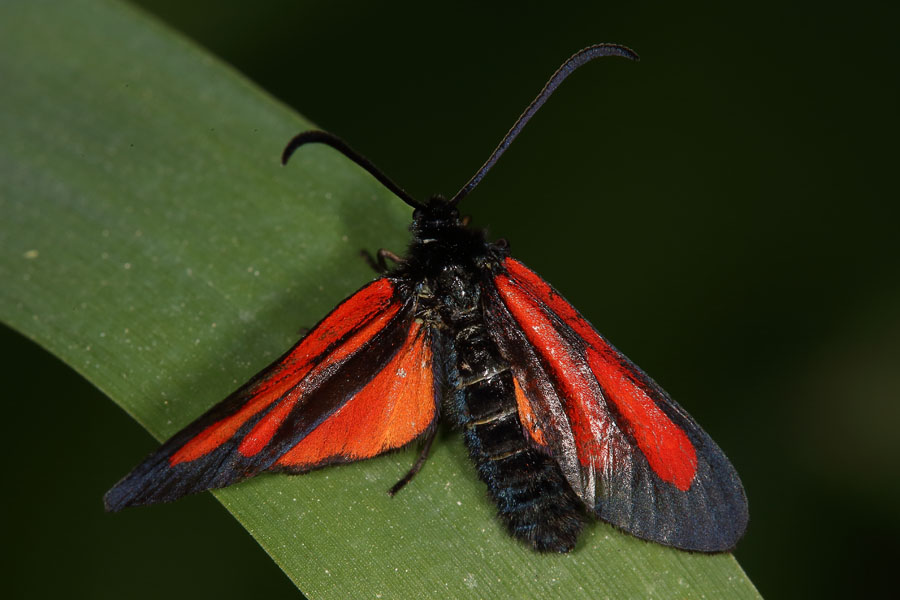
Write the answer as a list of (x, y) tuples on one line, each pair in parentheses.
[(724, 211)]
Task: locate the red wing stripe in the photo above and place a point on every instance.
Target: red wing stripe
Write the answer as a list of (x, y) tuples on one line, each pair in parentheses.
[(396, 407), (369, 309), (262, 432), (667, 448), (527, 416)]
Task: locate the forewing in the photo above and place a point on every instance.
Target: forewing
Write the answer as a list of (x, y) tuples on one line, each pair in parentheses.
[(248, 432), (635, 457)]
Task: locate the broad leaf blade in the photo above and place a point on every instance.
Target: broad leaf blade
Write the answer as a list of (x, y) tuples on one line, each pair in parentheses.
[(152, 241)]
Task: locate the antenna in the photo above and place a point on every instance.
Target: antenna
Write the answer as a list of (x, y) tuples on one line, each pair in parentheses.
[(576, 60), (323, 137)]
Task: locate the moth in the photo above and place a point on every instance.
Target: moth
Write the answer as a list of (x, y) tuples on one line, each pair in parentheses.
[(560, 424)]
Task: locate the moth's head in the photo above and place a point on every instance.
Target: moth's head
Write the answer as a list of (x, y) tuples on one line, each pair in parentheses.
[(438, 214)]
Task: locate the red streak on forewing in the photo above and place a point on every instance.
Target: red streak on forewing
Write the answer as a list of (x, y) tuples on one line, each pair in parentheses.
[(668, 450), (221, 431), (287, 373), (665, 445), (576, 384), (263, 431), (391, 411)]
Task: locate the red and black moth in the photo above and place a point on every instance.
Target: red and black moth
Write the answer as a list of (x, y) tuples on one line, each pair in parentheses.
[(559, 423)]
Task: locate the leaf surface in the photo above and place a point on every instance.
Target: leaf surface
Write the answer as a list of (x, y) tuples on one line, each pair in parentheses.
[(152, 241)]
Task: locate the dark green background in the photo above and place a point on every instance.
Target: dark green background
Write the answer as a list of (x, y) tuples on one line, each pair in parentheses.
[(724, 211)]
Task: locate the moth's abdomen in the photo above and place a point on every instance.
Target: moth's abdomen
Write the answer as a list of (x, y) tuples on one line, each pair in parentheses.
[(532, 497)]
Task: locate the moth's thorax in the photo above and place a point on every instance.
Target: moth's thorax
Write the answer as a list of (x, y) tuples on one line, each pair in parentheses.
[(446, 261)]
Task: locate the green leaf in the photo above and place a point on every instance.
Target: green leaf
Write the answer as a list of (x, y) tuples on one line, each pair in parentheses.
[(152, 241)]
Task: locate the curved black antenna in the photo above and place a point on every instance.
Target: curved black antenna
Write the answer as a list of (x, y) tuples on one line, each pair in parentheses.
[(576, 60), (316, 136)]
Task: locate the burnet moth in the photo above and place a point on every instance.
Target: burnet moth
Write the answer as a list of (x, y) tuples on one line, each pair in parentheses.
[(558, 422)]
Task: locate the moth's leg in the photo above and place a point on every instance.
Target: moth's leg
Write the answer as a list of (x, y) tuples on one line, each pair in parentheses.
[(380, 265), (417, 466)]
